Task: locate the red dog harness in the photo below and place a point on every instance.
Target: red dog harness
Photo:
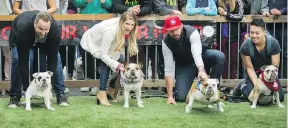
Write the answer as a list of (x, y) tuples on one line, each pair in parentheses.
[(273, 86)]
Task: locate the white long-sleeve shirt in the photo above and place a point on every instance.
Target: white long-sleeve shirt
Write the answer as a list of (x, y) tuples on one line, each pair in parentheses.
[(100, 41), (196, 49)]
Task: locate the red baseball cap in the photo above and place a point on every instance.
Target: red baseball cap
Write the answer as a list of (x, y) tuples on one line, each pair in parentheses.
[(172, 22)]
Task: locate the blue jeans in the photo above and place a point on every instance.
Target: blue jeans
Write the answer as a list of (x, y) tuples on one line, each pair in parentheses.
[(16, 84), (213, 59), (59, 87), (104, 73), (246, 90)]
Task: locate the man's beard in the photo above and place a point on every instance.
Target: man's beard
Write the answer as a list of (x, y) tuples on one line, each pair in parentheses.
[(177, 37), (41, 36)]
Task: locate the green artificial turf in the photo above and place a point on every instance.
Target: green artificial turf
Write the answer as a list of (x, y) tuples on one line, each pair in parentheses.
[(84, 113)]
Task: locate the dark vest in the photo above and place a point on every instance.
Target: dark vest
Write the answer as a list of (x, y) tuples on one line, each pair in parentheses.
[(181, 49)]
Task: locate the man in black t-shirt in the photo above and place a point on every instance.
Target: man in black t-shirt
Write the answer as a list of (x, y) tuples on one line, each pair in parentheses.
[(262, 54)]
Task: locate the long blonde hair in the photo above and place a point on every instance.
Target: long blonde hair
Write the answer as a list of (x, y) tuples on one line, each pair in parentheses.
[(232, 4), (120, 35)]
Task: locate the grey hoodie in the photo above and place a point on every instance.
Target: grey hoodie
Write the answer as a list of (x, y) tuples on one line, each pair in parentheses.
[(256, 7), (165, 7)]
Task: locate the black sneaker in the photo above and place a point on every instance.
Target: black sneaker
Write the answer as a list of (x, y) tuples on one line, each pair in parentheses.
[(14, 102), (238, 90), (62, 100)]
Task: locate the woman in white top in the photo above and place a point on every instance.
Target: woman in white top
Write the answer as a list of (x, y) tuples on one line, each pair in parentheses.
[(106, 41)]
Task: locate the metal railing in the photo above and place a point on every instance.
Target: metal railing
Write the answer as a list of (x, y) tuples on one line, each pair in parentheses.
[(150, 53)]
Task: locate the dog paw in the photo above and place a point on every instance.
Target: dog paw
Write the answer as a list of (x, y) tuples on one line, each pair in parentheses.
[(221, 110), (210, 106), (52, 109), (281, 106), (126, 106), (114, 101), (253, 107), (28, 109), (187, 111), (141, 105)]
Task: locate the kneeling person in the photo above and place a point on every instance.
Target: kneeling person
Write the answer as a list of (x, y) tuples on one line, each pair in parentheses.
[(182, 44)]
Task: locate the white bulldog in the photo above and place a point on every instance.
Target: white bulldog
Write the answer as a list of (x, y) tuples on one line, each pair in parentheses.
[(206, 93), (265, 87), (132, 80), (40, 87)]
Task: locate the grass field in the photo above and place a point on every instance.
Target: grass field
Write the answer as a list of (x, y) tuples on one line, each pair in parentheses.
[(84, 113)]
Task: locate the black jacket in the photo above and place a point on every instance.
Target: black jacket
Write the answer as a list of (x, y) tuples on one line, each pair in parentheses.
[(22, 35), (120, 6)]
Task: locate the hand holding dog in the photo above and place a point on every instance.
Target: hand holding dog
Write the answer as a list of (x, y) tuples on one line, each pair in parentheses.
[(203, 76), (120, 67)]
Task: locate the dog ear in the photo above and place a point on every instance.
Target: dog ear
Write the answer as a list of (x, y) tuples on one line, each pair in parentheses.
[(263, 67), (35, 75), (125, 64), (140, 64), (50, 73)]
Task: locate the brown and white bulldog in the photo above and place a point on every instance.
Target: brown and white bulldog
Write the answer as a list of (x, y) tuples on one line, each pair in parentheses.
[(265, 87), (206, 93), (132, 80)]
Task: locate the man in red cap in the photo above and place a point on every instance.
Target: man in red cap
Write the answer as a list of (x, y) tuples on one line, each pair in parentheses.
[(182, 45)]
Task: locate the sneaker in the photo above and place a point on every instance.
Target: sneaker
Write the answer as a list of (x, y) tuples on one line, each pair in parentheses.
[(84, 89), (14, 102), (93, 91), (238, 90), (62, 100), (66, 90)]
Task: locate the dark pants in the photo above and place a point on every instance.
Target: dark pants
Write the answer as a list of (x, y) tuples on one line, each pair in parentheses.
[(246, 90), (104, 74), (71, 57), (213, 59), (58, 76), (233, 58), (16, 83), (89, 64)]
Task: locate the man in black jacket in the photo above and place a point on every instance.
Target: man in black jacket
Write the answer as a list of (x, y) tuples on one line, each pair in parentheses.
[(29, 29), (138, 7)]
